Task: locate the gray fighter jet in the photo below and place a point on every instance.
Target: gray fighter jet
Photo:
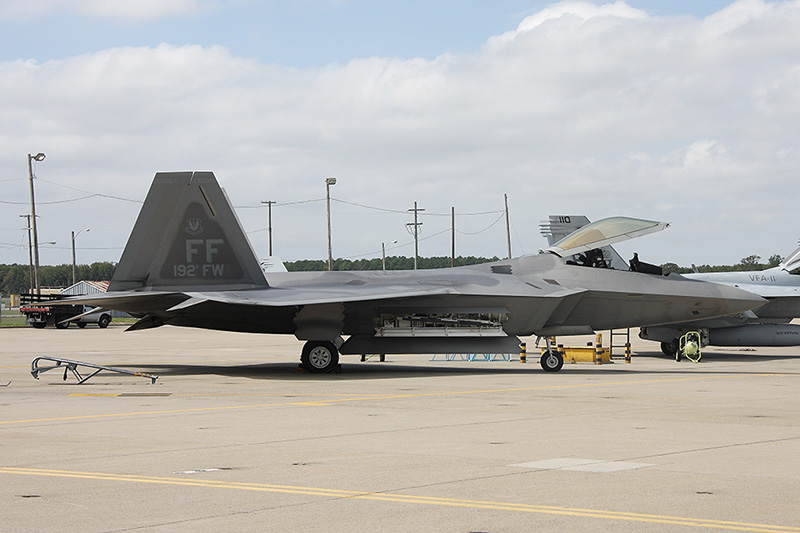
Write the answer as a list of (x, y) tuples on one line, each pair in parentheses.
[(189, 263), (766, 326)]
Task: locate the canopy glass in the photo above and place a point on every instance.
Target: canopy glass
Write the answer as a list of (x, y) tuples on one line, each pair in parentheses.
[(603, 233)]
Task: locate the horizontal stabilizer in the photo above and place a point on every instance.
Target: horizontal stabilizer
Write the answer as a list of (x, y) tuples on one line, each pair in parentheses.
[(146, 323)]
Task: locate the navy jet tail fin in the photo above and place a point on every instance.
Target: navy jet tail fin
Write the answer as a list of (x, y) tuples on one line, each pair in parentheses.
[(187, 237), (556, 227)]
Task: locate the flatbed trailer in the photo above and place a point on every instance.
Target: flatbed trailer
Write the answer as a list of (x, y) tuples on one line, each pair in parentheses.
[(40, 312)]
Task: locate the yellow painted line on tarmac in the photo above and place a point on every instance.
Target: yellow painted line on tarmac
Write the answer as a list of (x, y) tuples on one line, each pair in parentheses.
[(371, 397), (411, 499)]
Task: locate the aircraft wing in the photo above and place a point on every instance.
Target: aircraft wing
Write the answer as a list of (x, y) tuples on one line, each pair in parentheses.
[(360, 288)]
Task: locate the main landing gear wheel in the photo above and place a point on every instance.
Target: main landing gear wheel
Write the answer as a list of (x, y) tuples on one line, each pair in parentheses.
[(319, 357), (670, 348), (552, 361)]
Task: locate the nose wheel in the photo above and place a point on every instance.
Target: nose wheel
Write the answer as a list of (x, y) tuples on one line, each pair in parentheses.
[(552, 361)]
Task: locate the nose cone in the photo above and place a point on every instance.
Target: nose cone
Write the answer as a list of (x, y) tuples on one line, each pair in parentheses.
[(723, 300)]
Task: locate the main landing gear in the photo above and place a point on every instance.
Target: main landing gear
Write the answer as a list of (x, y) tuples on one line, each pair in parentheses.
[(319, 357), (670, 348)]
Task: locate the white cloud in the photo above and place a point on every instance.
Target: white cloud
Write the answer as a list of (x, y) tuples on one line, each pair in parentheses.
[(570, 13), (602, 110)]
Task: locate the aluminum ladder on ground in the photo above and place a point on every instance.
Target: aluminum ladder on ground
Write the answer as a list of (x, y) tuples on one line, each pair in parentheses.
[(72, 366)]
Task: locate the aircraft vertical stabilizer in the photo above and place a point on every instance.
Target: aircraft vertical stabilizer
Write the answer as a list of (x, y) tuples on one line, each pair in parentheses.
[(187, 236)]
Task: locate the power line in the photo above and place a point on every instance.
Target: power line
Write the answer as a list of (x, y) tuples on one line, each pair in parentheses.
[(281, 204), (404, 212), (90, 193), (502, 215)]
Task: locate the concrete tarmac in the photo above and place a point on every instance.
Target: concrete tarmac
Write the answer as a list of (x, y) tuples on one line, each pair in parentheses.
[(232, 438)]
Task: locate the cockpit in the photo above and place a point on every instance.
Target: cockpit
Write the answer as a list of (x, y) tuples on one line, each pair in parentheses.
[(590, 246)]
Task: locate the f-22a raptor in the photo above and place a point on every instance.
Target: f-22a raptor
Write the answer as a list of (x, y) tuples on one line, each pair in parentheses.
[(188, 263)]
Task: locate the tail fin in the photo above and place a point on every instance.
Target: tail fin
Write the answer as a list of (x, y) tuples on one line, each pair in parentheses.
[(187, 236), (559, 226)]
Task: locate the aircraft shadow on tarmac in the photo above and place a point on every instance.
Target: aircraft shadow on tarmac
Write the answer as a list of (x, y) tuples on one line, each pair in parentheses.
[(349, 371), (355, 370), (735, 355)]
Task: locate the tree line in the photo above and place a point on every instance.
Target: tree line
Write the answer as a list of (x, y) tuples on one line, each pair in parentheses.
[(396, 262), (751, 262), (15, 278)]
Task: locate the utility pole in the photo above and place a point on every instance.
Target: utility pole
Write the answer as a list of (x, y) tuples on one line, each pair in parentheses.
[(38, 157), (383, 253), (508, 226), (416, 226), (269, 227), (453, 225), (30, 254)]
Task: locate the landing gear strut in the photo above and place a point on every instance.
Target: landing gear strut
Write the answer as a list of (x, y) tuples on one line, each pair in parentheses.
[(319, 357), (552, 360)]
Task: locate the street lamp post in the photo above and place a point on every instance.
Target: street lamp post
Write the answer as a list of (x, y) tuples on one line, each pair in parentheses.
[(328, 182), (30, 254), (383, 252), (38, 157), (74, 235)]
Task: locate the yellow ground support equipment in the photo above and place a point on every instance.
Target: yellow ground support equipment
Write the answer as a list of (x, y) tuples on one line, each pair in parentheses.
[(580, 354), (689, 347)]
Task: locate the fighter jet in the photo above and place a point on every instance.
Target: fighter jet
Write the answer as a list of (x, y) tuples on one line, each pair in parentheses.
[(188, 263), (765, 326)]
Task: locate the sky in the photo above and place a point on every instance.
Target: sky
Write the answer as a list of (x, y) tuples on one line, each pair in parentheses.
[(677, 111)]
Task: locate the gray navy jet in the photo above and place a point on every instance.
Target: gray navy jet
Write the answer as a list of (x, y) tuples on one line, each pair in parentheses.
[(188, 263)]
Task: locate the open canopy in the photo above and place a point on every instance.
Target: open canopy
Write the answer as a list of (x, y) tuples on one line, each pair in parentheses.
[(604, 233)]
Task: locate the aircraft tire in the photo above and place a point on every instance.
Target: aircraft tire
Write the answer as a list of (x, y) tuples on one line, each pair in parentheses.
[(670, 348), (319, 357), (552, 361)]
